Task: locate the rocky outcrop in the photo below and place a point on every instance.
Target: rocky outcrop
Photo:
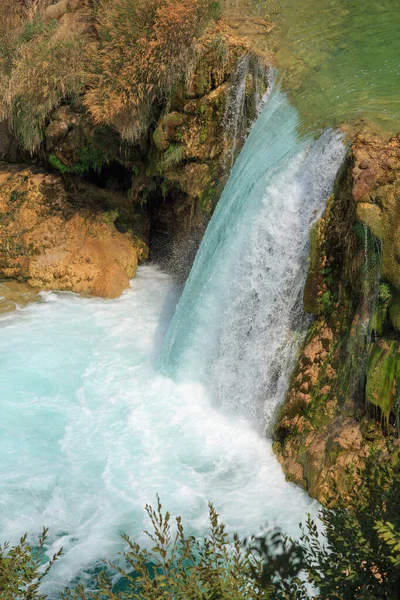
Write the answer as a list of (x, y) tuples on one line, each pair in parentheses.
[(177, 169), (60, 238), (180, 173), (343, 397), (195, 143)]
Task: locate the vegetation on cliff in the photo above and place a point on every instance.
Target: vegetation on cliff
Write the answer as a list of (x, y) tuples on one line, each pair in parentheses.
[(146, 47), (135, 96), (121, 59)]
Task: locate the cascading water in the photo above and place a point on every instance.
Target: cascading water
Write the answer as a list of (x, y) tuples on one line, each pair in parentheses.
[(240, 317), (91, 430)]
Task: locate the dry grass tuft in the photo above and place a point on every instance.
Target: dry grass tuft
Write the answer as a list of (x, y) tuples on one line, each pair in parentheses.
[(145, 49)]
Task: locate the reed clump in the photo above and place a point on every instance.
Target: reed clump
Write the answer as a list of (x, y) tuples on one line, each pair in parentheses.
[(122, 68), (146, 48)]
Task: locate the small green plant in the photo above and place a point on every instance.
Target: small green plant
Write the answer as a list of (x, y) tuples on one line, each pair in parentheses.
[(172, 157), (57, 164), (21, 570), (385, 294), (111, 216), (221, 48), (89, 159), (327, 301), (15, 195)]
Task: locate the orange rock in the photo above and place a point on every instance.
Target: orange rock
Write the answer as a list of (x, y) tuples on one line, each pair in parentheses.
[(50, 244)]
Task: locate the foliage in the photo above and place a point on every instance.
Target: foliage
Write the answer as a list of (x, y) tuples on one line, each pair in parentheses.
[(90, 158), (327, 303), (385, 294), (145, 49), (357, 555), (391, 536), (172, 157), (179, 567), (46, 73), (21, 571), (38, 70), (33, 72)]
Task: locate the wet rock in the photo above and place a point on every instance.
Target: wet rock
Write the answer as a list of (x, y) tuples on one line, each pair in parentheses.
[(349, 366)]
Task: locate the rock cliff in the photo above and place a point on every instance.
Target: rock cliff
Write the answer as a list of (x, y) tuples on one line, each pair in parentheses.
[(172, 176), (343, 400)]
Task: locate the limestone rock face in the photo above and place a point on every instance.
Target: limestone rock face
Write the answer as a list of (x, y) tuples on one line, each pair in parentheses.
[(342, 397), (50, 243)]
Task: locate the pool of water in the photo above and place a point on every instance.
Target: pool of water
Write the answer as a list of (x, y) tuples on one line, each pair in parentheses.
[(340, 60), (90, 432)]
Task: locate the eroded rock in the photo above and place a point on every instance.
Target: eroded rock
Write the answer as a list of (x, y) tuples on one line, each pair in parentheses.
[(50, 243)]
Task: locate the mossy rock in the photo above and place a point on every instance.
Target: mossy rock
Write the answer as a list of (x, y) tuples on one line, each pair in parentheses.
[(383, 377), (379, 314), (166, 132), (314, 278), (394, 312)]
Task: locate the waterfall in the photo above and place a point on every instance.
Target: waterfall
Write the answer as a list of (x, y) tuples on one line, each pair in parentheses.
[(240, 318), (235, 123), (102, 410)]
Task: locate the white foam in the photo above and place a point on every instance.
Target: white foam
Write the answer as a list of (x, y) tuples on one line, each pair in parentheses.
[(91, 432)]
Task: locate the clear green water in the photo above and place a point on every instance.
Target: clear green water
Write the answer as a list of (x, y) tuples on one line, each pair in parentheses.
[(340, 60)]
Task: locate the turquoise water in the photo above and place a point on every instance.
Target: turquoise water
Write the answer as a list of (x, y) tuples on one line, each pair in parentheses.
[(99, 413), (240, 319)]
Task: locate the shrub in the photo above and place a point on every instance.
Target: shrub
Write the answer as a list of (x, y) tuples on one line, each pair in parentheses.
[(37, 71), (20, 23), (181, 567), (90, 158), (357, 556), (20, 569)]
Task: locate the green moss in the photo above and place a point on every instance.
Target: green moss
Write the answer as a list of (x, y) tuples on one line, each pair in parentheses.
[(383, 373), (172, 157), (327, 301), (311, 288), (90, 158), (208, 197), (381, 307), (394, 311)]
